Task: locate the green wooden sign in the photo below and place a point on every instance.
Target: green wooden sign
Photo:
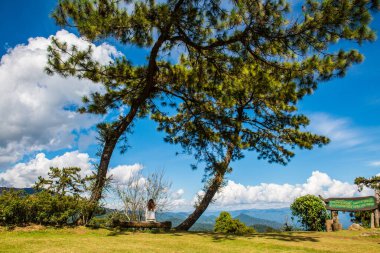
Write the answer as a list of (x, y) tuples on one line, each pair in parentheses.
[(351, 204)]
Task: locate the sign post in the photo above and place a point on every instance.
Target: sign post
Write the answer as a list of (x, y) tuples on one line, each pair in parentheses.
[(351, 204), (368, 203)]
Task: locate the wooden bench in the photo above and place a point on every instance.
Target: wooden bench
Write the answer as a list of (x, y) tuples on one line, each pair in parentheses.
[(167, 225)]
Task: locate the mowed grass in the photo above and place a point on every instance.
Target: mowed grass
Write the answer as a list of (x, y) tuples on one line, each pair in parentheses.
[(89, 240)]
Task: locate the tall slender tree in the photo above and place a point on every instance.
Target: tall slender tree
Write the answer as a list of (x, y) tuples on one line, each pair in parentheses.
[(247, 107), (218, 32)]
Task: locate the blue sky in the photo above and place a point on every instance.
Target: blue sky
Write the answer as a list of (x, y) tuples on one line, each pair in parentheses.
[(347, 110)]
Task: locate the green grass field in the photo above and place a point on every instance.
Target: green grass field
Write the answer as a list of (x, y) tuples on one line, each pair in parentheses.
[(88, 240)]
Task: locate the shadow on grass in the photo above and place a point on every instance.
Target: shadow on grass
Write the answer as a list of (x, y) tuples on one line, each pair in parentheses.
[(121, 231), (215, 237), (221, 238), (174, 234), (288, 237), (116, 232)]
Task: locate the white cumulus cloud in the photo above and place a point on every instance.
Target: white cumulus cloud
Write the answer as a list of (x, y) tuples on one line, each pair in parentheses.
[(123, 173), (270, 195), (178, 202), (36, 110), (26, 174)]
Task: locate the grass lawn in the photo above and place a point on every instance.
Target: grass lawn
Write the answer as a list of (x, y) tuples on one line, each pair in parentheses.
[(36, 239)]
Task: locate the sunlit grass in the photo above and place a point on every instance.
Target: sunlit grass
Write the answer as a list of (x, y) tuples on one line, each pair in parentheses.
[(37, 239)]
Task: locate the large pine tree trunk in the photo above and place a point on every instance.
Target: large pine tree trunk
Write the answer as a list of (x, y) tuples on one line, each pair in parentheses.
[(111, 141), (220, 170), (206, 200), (101, 176), (212, 189), (108, 148)]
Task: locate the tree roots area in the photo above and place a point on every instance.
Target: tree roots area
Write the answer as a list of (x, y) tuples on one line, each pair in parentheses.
[(81, 239)]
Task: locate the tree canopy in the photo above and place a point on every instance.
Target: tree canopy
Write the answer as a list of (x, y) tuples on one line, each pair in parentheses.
[(242, 68), (64, 181), (311, 212), (227, 225), (241, 111), (372, 182)]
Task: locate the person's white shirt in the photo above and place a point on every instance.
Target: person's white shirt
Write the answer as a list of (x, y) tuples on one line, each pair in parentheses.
[(150, 215)]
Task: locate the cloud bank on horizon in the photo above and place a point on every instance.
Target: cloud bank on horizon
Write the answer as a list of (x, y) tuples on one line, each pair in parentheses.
[(232, 196), (281, 195)]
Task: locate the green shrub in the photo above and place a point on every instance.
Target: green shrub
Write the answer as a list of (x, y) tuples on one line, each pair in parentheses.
[(45, 208), (225, 224), (110, 220), (14, 208), (311, 212), (98, 222), (114, 218), (52, 209), (57, 201)]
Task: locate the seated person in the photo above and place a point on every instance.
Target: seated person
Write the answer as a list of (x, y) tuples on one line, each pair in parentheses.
[(150, 211)]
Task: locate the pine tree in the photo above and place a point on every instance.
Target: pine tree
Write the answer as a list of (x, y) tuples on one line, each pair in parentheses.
[(248, 108), (372, 183), (215, 37)]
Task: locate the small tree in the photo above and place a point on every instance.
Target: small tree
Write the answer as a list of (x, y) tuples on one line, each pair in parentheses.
[(64, 181), (288, 226), (67, 189), (311, 212), (227, 225), (137, 190), (365, 216), (362, 217)]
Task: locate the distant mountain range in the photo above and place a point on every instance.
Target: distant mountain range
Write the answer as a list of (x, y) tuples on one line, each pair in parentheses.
[(278, 215), (207, 221), (26, 190), (261, 219), (252, 221)]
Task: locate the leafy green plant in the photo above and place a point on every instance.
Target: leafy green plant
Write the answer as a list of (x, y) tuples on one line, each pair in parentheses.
[(114, 218), (98, 222), (57, 201), (13, 208), (227, 225), (311, 212)]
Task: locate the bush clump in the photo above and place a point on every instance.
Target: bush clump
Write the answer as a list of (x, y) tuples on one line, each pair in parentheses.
[(311, 212), (57, 201), (19, 209), (227, 225)]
